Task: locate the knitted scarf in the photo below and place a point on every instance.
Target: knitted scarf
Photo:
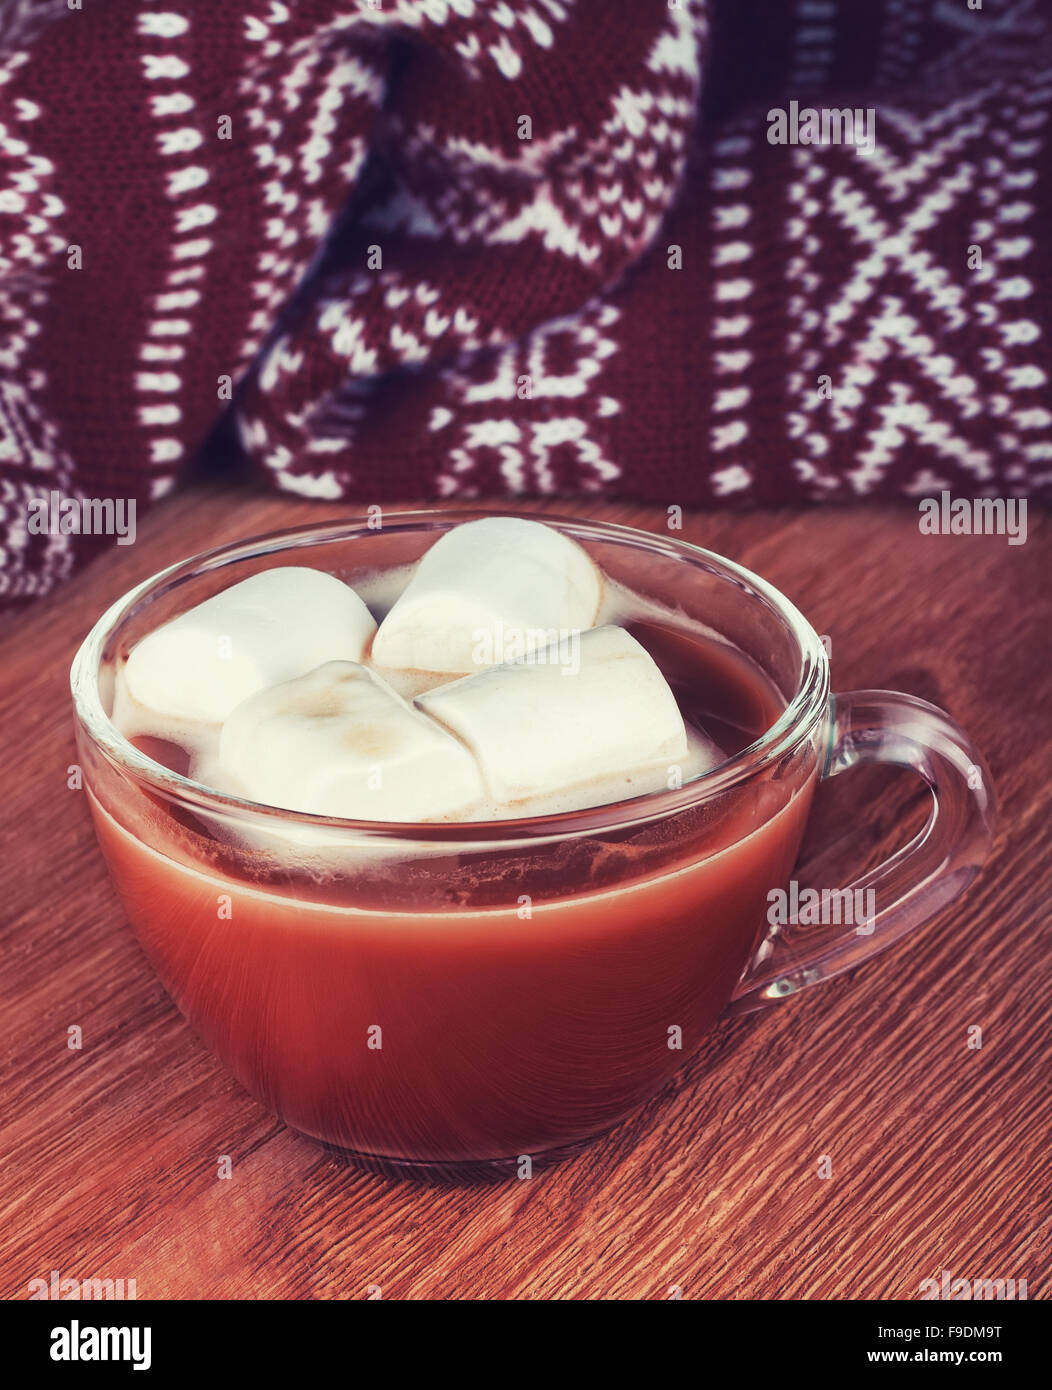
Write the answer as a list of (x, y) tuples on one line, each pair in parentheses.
[(693, 252)]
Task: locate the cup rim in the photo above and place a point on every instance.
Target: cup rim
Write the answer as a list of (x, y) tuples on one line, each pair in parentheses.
[(794, 724)]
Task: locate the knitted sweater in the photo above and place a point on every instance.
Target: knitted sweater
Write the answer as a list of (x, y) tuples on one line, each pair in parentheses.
[(696, 252)]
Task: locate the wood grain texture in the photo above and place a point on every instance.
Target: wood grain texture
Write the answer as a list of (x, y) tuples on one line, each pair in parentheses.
[(940, 1155)]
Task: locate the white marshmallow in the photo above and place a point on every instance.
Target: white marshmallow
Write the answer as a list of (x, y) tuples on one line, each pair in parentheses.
[(536, 727), (340, 742), (488, 592), (279, 624)]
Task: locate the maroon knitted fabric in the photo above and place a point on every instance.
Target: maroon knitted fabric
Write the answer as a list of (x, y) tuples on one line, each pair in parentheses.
[(452, 248)]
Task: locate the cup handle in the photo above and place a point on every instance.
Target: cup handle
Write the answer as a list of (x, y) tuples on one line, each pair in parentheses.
[(917, 881)]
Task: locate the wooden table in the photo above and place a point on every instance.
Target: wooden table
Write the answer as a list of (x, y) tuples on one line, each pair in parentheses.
[(940, 1154)]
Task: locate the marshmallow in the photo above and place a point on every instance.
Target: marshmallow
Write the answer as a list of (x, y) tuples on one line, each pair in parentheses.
[(340, 742), (487, 592), (538, 726), (279, 624)]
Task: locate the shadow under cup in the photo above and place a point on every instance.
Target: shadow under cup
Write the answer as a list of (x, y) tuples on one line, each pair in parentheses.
[(459, 993)]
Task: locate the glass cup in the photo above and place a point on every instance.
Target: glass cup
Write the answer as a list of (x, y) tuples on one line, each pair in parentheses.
[(467, 994)]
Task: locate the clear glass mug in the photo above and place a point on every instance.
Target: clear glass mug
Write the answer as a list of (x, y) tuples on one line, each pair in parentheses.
[(462, 995)]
